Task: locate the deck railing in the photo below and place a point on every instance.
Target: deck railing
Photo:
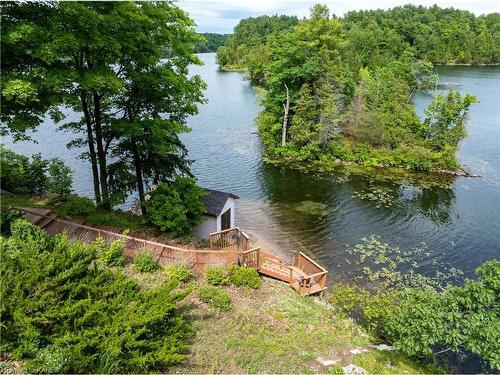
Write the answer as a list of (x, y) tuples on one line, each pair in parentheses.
[(304, 274), (251, 258), (163, 253), (229, 237), (307, 276), (224, 238)]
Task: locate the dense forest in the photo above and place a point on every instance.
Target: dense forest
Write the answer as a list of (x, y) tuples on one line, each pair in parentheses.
[(211, 42), (341, 89)]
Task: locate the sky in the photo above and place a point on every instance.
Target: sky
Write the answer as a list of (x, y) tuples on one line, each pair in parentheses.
[(220, 16)]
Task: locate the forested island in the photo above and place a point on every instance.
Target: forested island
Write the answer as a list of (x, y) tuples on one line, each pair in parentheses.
[(340, 90)]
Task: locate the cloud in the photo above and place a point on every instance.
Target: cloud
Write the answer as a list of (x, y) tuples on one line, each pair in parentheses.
[(222, 15)]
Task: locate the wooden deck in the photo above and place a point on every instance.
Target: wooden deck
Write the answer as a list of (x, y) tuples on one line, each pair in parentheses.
[(228, 246), (303, 274)]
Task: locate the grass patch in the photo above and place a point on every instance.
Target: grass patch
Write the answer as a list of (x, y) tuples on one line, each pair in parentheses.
[(392, 362), (117, 219), (215, 297)]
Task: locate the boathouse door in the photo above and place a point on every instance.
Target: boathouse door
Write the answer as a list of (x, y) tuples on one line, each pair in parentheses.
[(225, 220)]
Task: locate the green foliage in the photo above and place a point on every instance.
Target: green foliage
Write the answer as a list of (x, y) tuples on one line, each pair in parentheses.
[(211, 42), (418, 320), (439, 35), (244, 45), (176, 207), (61, 312), (215, 297), (114, 218), (59, 179), (134, 105), (145, 262), (217, 275), (77, 206), (466, 316), (244, 276), (7, 217), (179, 272), (21, 175), (351, 82), (112, 254), (445, 118)]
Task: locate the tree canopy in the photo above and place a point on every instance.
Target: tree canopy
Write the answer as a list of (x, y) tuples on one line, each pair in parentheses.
[(343, 89), (123, 66)]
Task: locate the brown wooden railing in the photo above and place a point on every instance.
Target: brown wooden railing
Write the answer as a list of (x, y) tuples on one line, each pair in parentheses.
[(251, 258), (163, 253), (229, 237), (307, 276), (231, 246), (224, 238)]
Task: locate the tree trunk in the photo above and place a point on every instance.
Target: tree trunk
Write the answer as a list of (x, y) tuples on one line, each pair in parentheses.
[(286, 107), (90, 141), (138, 176), (100, 153)]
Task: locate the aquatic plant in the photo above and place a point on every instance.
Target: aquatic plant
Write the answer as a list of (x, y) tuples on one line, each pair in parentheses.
[(382, 196), (389, 267)]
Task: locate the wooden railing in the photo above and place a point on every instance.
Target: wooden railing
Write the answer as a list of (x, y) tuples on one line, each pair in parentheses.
[(304, 274), (251, 258), (163, 253), (224, 238), (228, 238), (307, 276)]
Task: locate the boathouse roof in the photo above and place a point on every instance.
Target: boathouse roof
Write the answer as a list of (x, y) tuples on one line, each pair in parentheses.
[(215, 201)]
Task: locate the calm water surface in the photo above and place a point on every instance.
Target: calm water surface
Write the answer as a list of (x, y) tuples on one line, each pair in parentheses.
[(288, 211)]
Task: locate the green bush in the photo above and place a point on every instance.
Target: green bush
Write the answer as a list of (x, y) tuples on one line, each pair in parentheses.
[(215, 297), (20, 175), (244, 276), (78, 206), (179, 272), (216, 275), (112, 254), (7, 217), (59, 179), (346, 298), (176, 207), (61, 313), (144, 262)]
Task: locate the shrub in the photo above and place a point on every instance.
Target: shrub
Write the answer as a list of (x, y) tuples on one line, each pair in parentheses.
[(215, 297), (144, 262), (244, 276), (78, 206), (51, 283), (176, 207), (19, 174), (7, 217), (216, 275), (112, 254), (59, 180), (179, 272), (346, 298)]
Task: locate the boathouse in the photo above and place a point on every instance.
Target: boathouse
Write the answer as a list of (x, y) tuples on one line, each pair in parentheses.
[(220, 214)]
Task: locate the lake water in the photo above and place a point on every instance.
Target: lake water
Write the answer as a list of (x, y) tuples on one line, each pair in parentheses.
[(287, 211)]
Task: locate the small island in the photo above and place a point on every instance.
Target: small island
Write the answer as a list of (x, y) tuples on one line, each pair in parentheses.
[(339, 91)]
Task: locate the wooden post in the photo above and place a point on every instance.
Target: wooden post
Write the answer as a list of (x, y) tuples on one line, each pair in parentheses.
[(286, 107), (258, 258)]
